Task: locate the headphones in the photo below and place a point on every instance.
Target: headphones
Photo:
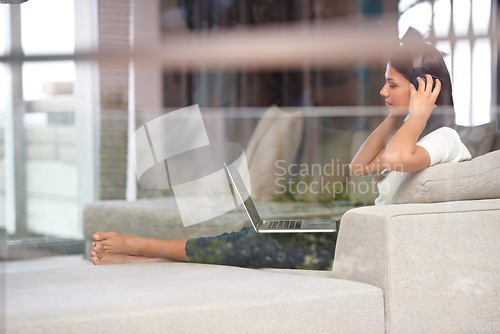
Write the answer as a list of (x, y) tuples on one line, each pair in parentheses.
[(418, 72), (414, 36)]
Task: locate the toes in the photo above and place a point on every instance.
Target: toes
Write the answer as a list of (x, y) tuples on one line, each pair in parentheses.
[(96, 254), (98, 247), (99, 236), (98, 261)]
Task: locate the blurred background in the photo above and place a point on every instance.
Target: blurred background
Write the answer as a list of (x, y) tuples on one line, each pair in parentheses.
[(78, 77)]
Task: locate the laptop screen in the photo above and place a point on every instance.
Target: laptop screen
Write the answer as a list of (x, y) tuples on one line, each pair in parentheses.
[(242, 193)]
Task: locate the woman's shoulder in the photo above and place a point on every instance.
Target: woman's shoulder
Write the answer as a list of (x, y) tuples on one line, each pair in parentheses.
[(444, 145), (445, 130), (443, 133)]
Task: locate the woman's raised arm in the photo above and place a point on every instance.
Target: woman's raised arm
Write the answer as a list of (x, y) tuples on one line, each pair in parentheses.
[(368, 158), (402, 153)]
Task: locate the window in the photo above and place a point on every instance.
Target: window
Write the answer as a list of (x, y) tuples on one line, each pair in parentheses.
[(468, 44), (40, 160)]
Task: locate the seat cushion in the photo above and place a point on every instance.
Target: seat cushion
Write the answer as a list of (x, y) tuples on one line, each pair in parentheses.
[(187, 298), (456, 181)]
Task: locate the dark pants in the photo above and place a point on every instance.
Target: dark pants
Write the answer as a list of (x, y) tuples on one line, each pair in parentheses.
[(250, 249)]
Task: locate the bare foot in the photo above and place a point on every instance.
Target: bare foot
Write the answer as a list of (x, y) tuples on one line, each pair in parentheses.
[(120, 259), (114, 243)]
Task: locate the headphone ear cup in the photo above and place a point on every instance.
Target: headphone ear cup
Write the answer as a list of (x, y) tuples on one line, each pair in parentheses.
[(417, 73)]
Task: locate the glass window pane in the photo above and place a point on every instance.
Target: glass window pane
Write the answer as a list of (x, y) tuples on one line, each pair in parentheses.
[(44, 31), (51, 173), (50, 149), (3, 175), (462, 81), (481, 79), (4, 28), (481, 13), (461, 17), (404, 5), (41, 80), (442, 17), (418, 17), (445, 47)]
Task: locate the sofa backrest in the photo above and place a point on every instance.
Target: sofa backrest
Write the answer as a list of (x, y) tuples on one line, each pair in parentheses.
[(467, 180)]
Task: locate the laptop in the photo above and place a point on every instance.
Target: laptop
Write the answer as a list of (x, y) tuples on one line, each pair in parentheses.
[(280, 225)]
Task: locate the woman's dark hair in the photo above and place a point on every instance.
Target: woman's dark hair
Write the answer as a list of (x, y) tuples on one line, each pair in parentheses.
[(402, 60)]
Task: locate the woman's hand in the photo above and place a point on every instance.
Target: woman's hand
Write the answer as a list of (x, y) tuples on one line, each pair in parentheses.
[(423, 100)]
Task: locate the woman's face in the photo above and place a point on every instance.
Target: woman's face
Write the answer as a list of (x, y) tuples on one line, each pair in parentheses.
[(396, 91)]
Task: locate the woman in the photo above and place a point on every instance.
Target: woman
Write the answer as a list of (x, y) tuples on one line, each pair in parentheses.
[(422, 139)]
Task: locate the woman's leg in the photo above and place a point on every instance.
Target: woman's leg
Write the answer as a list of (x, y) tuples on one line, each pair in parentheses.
[(232, 249), (247, 248), (108, 245)]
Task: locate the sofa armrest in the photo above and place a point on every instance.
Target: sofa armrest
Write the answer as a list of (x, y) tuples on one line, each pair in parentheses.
[(436, 263)]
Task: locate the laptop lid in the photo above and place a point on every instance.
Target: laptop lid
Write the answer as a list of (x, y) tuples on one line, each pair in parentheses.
[(241, 191)]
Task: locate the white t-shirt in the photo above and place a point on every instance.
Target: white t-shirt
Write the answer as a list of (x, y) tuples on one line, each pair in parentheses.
[(443, 145)]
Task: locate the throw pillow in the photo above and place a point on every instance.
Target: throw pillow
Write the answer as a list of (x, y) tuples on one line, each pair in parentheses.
[(478, 139), (273, 146), (453, 181), (496, 145)]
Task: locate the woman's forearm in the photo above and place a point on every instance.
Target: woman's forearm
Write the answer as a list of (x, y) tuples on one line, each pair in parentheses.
[(365, 160), (400, 151)]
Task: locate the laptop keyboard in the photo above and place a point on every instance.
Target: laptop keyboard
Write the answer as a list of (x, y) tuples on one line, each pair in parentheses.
[(285, 224)]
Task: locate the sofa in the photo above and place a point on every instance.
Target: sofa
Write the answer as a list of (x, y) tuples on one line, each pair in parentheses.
[(427, 264)]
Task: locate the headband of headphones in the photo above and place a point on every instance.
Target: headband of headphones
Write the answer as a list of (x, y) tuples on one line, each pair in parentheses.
[(414, 38)]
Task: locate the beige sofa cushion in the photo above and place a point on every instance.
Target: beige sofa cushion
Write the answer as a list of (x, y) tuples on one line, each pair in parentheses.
[(276, 139), (467, 180), (187, 298)]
